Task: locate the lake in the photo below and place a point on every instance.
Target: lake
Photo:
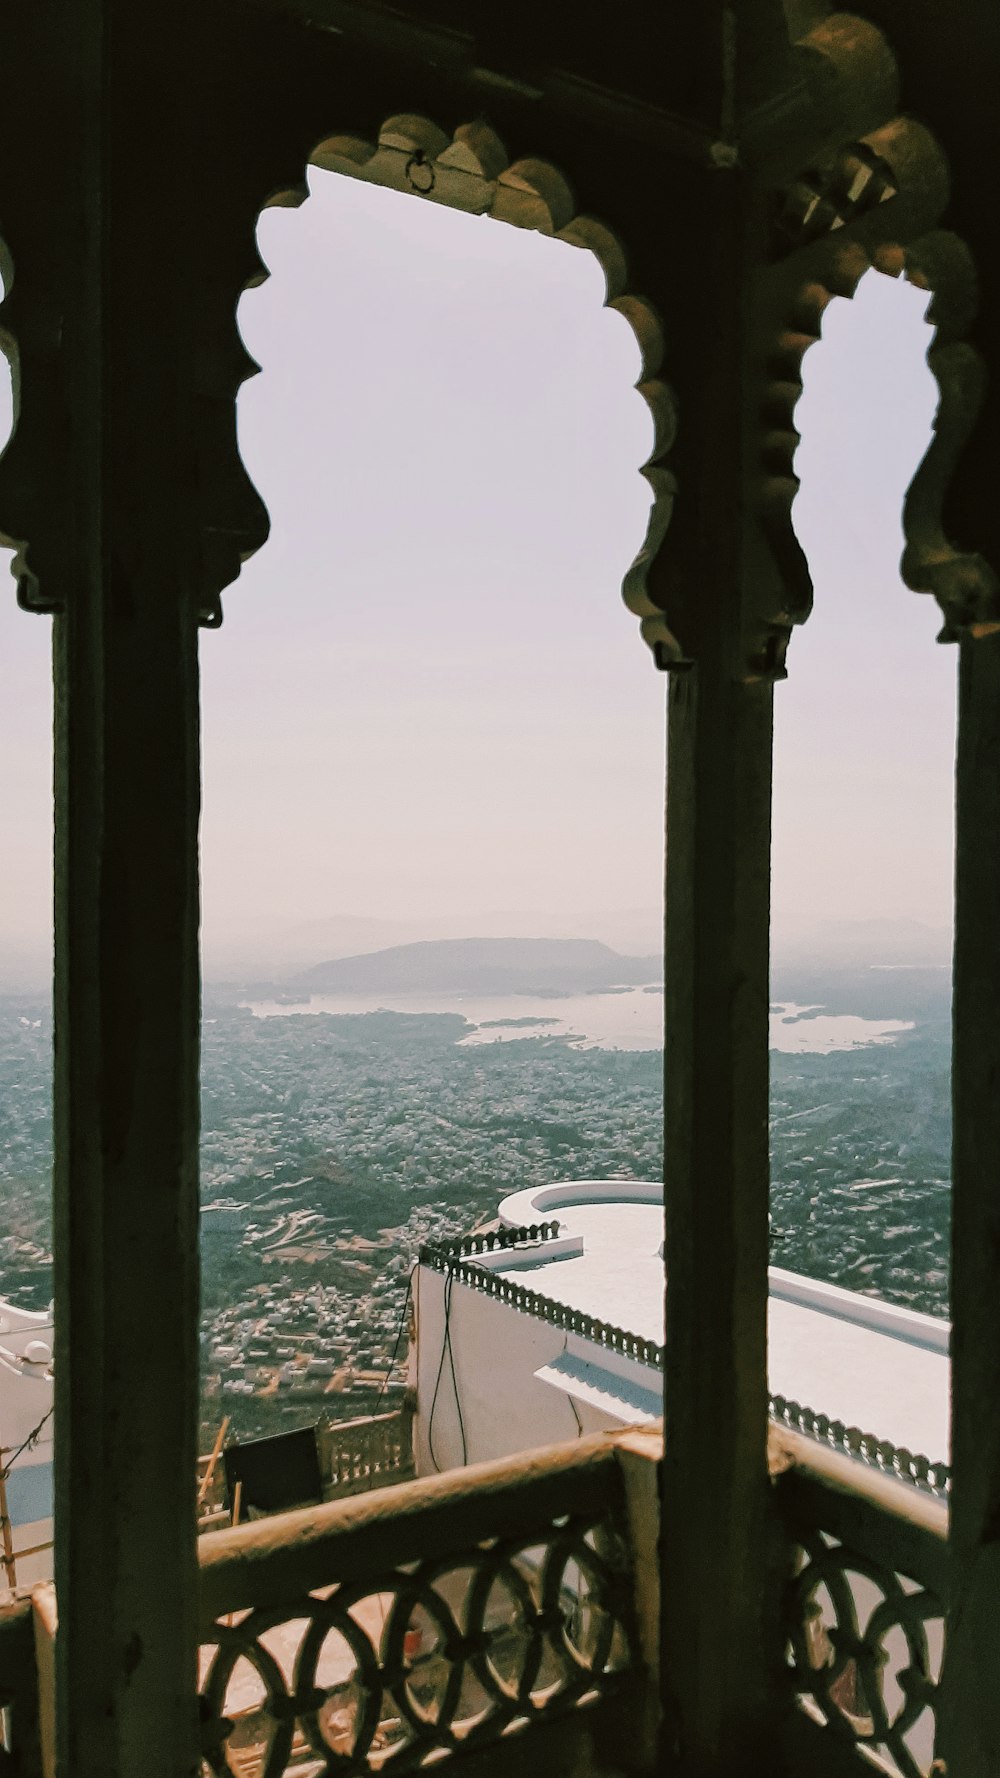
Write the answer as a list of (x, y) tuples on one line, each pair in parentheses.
[(627, 1019)]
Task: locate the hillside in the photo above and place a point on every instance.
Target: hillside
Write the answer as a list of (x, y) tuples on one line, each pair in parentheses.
[(482, 966)]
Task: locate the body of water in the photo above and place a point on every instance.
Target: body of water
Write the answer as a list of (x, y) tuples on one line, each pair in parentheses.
[(630, 1019)]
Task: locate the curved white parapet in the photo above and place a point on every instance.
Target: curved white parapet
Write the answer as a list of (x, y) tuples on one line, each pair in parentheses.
[(523, 1208), (25, 1370), (18, 1326)]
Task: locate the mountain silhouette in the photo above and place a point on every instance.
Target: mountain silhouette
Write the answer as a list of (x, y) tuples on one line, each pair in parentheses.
[(482, 966)]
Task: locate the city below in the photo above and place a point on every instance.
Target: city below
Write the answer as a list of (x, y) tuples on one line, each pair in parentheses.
[(335, 1143)]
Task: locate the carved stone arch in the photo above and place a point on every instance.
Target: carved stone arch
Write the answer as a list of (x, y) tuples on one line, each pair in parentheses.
[(16, 515), (873, 200), (33, 459), (471, 171)]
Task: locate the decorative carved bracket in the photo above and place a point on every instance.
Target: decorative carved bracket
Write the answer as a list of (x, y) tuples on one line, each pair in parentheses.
[(873, 202), (32, 462), (840, 181), (848, 183)]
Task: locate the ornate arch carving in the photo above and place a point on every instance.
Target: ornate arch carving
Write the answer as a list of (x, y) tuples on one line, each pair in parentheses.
[(873, 201), (836, 180), (31, 461), (471, 171)]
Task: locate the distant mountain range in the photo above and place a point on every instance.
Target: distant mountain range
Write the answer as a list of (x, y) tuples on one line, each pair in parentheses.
[(482, 966), (269, 949), (263, 949), (505, 952), (525, 965)]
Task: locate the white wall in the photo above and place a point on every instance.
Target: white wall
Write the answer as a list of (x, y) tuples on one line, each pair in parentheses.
[(504, 1406), (25, 1399)]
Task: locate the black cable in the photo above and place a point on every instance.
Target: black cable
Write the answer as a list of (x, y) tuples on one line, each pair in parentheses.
[(454, 1381), (437, 1380), (436, 1385), (32, 1439), (446, 1347)]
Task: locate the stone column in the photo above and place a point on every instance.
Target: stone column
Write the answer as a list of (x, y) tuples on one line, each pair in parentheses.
[(126, 997), (720, 1595), (716, 1580), (970, 1734)]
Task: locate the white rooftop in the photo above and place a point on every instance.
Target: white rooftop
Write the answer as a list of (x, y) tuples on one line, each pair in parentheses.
[(880, 1368)]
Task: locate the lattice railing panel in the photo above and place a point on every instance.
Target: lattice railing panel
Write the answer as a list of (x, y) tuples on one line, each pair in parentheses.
[(428, 1658), (360, 1455), (865, 1619)]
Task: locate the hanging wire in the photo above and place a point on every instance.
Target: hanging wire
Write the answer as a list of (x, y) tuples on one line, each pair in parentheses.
[(27, 1445), (446, 1350)]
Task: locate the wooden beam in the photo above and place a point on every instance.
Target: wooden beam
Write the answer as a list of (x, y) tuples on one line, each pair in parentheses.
[(970, 1736), (410, 42), (7, 1559), (211, 1461)]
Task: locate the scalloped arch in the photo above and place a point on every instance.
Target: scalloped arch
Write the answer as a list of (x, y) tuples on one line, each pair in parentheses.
[(18, 485), (875, 203), (471, 171)]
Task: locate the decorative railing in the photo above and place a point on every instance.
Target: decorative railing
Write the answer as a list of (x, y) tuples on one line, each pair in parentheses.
[(440, 1617), (531, 1302), (453, 1615), (455, 1257), (488, 1241), (864, 1447), (357, 1456), (864, 1608)]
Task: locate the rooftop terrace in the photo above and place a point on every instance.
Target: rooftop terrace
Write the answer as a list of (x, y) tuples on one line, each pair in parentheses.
[(854, 1358)]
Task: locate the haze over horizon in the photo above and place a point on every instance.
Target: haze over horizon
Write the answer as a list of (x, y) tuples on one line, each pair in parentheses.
[(428, 707)]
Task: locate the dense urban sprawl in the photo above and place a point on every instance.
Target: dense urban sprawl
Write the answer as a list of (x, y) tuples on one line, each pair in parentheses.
[(333, 1146)]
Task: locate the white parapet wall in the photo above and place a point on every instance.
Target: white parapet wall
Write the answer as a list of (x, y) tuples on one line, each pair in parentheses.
[(26, 1409), (475, 1362), (927, 1331), (572, 1342)]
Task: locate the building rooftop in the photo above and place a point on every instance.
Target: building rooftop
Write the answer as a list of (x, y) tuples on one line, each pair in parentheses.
[(871, 1364)]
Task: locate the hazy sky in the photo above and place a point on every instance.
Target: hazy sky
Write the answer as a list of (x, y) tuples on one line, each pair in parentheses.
[(427, 697)]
